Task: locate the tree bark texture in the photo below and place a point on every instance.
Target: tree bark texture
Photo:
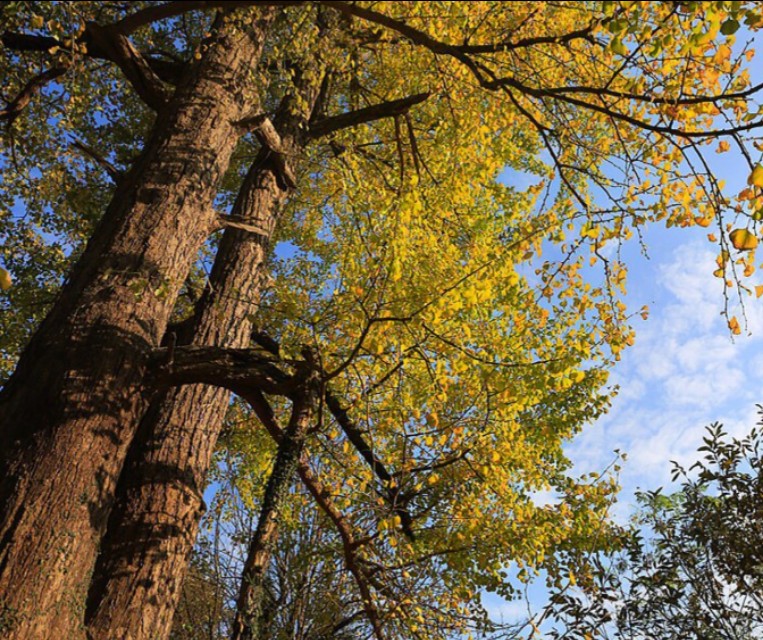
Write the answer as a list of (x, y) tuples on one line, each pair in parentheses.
[(70, 410), (251, 598), (153, 526), (154, 522)]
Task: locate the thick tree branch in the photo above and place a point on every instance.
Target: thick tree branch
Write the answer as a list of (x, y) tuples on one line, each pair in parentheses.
[(136, 69), (167, 70), (268, 137), (327, 126), (322, 497), (242, 371)]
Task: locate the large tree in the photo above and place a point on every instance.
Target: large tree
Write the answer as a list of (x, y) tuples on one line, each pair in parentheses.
[(408, 280)]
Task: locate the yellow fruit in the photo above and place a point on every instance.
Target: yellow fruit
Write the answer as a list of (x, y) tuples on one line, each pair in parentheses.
[(743, 240), (5, 280)]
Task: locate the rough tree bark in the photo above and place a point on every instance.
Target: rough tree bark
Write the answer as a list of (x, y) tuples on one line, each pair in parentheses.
[(70, 410), (152, 528), (251, 597), (154, 523), (159, 499)]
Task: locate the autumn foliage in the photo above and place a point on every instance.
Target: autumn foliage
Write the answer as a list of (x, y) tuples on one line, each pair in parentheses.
[(391, 229)]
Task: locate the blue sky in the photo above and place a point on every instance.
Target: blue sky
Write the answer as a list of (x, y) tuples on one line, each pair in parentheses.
[(684, 372)]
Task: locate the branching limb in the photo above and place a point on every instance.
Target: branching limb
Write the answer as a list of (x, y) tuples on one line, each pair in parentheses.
[(268, 137), (242, 371), (107, 43), (31, 88), (322, 497), (355, 436), (490, 81), (249, 605), (114, 173), (167, 70), (329, 125), (118, 48)]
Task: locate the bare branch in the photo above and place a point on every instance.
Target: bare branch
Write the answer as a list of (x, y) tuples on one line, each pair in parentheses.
[(114, 173), (243, 371), (268, 137), (17, 105), (118, 48), (329, 125)]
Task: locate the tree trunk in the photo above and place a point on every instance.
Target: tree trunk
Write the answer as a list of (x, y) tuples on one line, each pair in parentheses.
[(154, 522), (251, 597), (69, 412), (153, 526)]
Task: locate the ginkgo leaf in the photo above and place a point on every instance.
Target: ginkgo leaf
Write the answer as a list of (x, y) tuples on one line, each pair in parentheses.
[(729, 27), (743, 240), (618, 47), (756, 177), (734, 326), (5, 279)]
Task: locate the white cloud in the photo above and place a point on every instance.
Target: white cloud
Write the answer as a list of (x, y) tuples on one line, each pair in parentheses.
[(683, 373)]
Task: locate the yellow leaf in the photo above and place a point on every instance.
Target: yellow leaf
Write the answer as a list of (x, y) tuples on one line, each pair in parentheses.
[(618, 47), (5, 280), (759, 291), (756, 177), (743, 240), (734, 326)]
